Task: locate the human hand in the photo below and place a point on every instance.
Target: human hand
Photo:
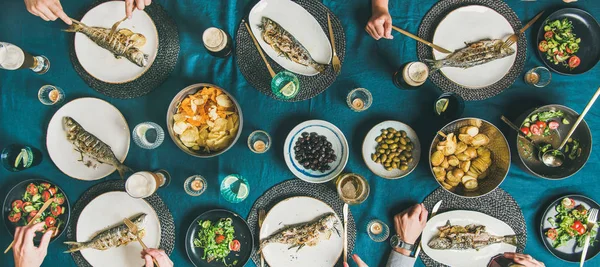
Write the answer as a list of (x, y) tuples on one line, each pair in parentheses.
[(48, 10), (525, 260), (380, 23), (158, 254), (130, 5), (24, 251), (409, 224), (358, 261)]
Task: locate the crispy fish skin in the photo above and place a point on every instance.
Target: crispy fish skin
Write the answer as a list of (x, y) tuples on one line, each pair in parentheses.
[(285, 44), (474, 54), (87, 143), (303, 234), (116, 236), (122, 43), (468, 237)]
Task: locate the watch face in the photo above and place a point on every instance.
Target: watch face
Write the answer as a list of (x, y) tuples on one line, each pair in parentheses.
[(394, 241)]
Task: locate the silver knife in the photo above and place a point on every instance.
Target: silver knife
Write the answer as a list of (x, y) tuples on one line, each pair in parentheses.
[(345, 232), (435, 209)]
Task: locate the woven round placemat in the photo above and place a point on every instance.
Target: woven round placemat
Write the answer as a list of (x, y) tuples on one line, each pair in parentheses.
[(253, 68), (159, 71), (293, 188), (427, 29), (167, 225), (497, 204)]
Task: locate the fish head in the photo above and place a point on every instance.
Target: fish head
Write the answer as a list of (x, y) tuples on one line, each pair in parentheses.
[(506, 51), (267, 24), (140, 220), (69, 122), (329, 221), (71, 126), (440, 243)]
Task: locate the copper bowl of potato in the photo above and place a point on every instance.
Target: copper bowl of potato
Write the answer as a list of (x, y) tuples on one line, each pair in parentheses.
[(469, 157)]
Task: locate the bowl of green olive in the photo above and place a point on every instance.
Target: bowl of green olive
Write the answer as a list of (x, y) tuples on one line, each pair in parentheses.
[(391, 150)]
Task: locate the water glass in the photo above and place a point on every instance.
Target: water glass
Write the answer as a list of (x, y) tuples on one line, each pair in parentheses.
[(378, 231), (285, 85), (538, 77), (19, 157), (359, 99), (50, 95), (449, 106), (235, 188), (259, 141), (148, 135), (195, 185)]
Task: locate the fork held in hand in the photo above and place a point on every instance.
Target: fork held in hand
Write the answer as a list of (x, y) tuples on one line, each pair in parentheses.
[(592, 219), (337, 66), (134, 230)]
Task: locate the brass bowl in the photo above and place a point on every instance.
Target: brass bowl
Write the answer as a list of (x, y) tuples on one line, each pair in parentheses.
[(500, 156), (192, 89)]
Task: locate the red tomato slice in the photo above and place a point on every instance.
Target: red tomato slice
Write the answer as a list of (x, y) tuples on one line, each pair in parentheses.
[(17, 204), (541, 124), (50, 221), (548, 35), (234, 245), (219, 239), (535, 129), (568, 50), (14, 216), (574, 61), (552, 233), (525, 130), (45, 195), (553, 125), (31, 215), (52, 191), (56, 210), (32, 189)]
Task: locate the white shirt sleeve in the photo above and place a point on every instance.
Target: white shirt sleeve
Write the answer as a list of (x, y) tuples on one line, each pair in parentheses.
[(399, 260)]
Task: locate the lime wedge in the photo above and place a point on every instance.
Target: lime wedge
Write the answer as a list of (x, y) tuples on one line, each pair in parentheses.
[(441, 106), (141, 130), (26, 159), (289, 89), (229, 180), (243, 192), (20, 158)]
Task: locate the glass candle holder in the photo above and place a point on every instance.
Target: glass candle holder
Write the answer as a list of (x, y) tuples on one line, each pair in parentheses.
[(538, 77), (148, 135), (359, 99), (378, 231), (259, 141), (195, 185), (50, 95)]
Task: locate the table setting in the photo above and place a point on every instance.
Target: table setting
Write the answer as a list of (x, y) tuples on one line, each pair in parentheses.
[(295, 137)]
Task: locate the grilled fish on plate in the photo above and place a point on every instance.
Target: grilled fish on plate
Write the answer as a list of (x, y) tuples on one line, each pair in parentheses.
[(472, 236), (304, 234), (474, 54)]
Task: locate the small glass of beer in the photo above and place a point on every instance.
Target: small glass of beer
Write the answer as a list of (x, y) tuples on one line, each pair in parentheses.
[(143, 184), (13, 58)]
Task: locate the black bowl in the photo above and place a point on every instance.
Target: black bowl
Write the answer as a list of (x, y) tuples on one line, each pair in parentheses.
[(529, 156), (17, 193), (584, 27), (242, 234), (568, 252)]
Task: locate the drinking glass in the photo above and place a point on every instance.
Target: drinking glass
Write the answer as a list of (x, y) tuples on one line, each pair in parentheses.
[(259, 141), (13, 58), (449, 106), (538, 77), (50, 95), (145, 183), (148, 135), (19, 157), (195, 185), (359, 99), (234, 188), (352, 188), (378, 231), (285, 85)]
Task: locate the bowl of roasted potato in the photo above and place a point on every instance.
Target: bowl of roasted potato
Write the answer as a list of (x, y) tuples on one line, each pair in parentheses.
[(204, 120), (469, 157)]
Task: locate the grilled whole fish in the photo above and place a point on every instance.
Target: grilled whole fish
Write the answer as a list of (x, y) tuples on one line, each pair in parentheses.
[(474, 54), (122, 42), (116, 236), (303, 234), (471, 236), (285, 44), (87, 143)]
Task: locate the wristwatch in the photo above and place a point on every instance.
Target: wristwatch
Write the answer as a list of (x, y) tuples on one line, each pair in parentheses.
[(396, 242)]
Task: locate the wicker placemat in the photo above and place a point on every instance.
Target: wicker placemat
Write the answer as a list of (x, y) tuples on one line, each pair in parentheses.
[(167, 225), (159, 71), (497, 204), (253, 68), (297, 187), (427, 29)]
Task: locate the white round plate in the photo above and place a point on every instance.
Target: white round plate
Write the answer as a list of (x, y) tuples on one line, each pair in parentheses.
[(369, 145), (296, 210), (467, 25), (100, 119), (108, 210), (300, 24), (102, 64), (334, 136), (470, 257)]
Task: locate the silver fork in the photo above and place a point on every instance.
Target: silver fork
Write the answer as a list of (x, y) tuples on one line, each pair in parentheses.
[(261, 219), (592, 218)]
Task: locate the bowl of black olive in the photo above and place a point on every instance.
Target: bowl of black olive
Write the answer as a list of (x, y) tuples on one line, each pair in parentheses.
[(316, 151)]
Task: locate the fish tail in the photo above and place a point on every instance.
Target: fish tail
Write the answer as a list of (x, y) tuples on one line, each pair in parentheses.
[(75, 246), (123, 169), (434, 64), (319, 67), (76, 26), (510, 239)]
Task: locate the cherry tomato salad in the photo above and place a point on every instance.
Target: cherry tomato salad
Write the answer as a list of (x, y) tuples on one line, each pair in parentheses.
[(543, 123), (217, 240), (570, 223), (560, 43), (26, 208)]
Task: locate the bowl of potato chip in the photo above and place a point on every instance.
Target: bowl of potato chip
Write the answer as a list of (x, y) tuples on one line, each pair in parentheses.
[(204, 120), (469, 157)]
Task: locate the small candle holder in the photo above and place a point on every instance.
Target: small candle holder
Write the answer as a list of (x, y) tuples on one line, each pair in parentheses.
[(191, 185), (50, 95), (259, 141), (359, 99), (538, 77), (382, 233)]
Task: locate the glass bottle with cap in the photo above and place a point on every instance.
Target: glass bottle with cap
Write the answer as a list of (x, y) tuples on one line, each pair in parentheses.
[(411, 75), (217, 42), (13, 58)]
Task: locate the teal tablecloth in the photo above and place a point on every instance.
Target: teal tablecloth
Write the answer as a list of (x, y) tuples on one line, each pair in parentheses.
[(368, 64)]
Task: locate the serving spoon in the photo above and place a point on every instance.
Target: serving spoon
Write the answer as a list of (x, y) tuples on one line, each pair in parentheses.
[(514, 127), (555, 157)]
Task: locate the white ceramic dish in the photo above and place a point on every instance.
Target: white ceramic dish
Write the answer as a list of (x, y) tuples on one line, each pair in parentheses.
[(471, 257), (334, 136), (110, 209), (369, 145), (102, 64), (470, 24), (300, 24), (296, 210), (100, 119)]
